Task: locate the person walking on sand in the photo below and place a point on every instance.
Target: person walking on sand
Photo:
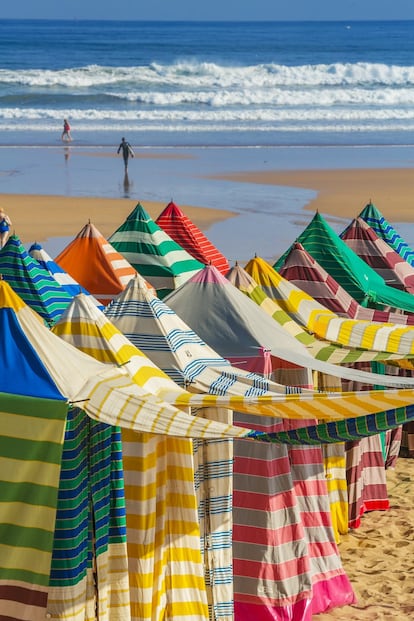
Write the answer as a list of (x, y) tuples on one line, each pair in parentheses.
[(66, 137), (127, 151), (5, 224)]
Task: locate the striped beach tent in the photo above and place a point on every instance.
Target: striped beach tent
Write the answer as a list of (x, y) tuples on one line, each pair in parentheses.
[(45, 558), (91, 260), (183, 231), (334, 455), (318, 347), (237, 328), (255, 482), (385, 337), (40, 373), (374, 218), (363, 240), (301, 269), (156, 329), (365, 466), (32, 282), (157, 257), (355, 276), (37, 252)]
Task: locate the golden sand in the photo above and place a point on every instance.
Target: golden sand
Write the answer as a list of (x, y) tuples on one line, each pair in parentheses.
[(37, 218)]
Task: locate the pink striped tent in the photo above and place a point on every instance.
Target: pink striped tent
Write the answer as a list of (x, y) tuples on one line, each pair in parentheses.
[(363, 240), (286, 562), (184, 232), (365, 465), (301, 269)]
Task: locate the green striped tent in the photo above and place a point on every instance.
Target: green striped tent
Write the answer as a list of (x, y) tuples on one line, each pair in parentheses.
[(158, 258), (32, 282), (353, 274)]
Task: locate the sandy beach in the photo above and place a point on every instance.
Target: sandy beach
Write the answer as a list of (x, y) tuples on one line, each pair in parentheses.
[(379, 556), (248, 201), (246, 204)]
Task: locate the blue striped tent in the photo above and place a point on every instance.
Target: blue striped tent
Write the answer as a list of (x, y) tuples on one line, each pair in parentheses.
[(39, 254), (32, 282)]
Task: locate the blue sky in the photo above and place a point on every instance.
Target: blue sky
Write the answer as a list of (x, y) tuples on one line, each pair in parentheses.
[(210, 10)]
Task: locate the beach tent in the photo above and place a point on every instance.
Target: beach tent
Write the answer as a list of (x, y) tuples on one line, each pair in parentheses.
[(320, 348), (385, 337), (32, 282), (37, 252), (374, 218), (183, 231), (154, 327), (43, 379), (157, 257), (365, 467), (363, 240), (91, 260), (355, 276), (39, 374), (237, 328), (306, 466), (301, 270)]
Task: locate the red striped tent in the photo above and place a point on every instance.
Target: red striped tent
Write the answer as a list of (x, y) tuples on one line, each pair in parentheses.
[(96, 265), (302, 270), (184, 232), (365, 465), (277, 494), (364, 241)]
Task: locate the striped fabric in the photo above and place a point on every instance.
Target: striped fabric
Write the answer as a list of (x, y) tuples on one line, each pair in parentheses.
[(319, 348), (155, 329), (257, 558), (302, 270), (95, 264), (374, 218), (183, 231), (158, 258), (356, 277), (32, 282), (363, 240), (89, 572), (324, 323), (67, 282), (31, 438), (165, 568)]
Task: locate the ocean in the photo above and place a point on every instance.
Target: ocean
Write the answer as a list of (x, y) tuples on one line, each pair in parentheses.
[(207, 83)]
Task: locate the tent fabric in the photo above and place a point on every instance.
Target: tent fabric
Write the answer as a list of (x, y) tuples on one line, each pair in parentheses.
[(255, 573), (89, 570), (37, 252), (355, 276), (165, 574), (182, 230), (385, 337), (301, 269), (91, 260), (157, 257), (31, 438), (150, 324), (32, 282), (319, 348), (221, 314), (374, 218), (363, 240)]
